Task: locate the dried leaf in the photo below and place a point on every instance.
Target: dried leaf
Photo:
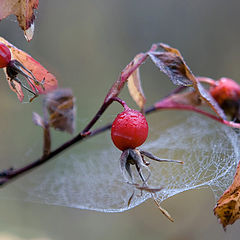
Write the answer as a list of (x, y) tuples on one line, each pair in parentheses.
[(61, 109), (24, 11), (15, 87), (39, 72), (228, 206), (173, 65), (186, 98), (135, 88), (37, 120), (138, 60), (209, 100)]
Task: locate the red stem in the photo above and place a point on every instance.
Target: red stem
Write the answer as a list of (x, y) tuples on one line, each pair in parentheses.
[(122, 102), (165, 104)]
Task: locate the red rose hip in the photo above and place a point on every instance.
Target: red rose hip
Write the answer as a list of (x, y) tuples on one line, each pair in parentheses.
[(129, 129), (225, 89), (5, 55)]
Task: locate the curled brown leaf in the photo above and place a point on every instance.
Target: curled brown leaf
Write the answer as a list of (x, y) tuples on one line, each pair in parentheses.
[(227, 209), (60, 105), (173, 65)]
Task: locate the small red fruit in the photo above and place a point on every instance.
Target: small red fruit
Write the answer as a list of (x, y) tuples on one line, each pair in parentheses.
[(129, 129), (225, 90), (5, 55)]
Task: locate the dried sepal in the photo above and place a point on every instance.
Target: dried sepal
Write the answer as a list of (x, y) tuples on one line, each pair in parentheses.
[(24, 11), (227, 209), (164, 211), (60, 105), (155, 158), (136, 157)]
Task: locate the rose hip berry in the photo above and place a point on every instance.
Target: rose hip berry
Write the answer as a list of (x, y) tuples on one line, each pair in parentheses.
[(225, 89), (227, 94), (129, 129), (5, 55)]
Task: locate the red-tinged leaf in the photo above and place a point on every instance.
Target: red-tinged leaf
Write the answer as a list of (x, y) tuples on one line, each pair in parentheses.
[(39, 72), (128, 70), (228, 206), (186, 98), (61, 108), (135, 88), (24, 11), (190, 101), (173, 65), (138, 60)]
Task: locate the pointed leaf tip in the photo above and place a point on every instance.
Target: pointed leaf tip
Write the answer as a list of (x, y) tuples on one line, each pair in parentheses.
[(24, 11)]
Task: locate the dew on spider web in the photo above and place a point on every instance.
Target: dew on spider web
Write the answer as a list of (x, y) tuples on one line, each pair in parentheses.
[(93, 180)]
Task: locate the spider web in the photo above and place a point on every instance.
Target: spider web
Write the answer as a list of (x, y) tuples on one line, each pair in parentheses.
[(210, 152)]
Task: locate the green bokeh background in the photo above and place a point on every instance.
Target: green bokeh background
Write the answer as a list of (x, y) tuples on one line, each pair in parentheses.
[(86, 44)]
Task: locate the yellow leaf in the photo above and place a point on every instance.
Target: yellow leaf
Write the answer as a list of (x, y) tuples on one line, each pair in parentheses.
[(135, 88)]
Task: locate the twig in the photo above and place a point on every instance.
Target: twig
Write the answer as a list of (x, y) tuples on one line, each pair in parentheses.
[(11, 174), (8, 175)]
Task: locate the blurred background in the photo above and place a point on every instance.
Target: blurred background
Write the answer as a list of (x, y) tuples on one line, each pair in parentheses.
[(86, 44)]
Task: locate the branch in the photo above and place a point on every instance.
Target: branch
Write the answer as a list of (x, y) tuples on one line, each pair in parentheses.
[(7, 176), (12, 174)]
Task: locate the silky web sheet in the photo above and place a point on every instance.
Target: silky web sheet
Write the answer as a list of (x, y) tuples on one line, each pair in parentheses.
[(210, 152)]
